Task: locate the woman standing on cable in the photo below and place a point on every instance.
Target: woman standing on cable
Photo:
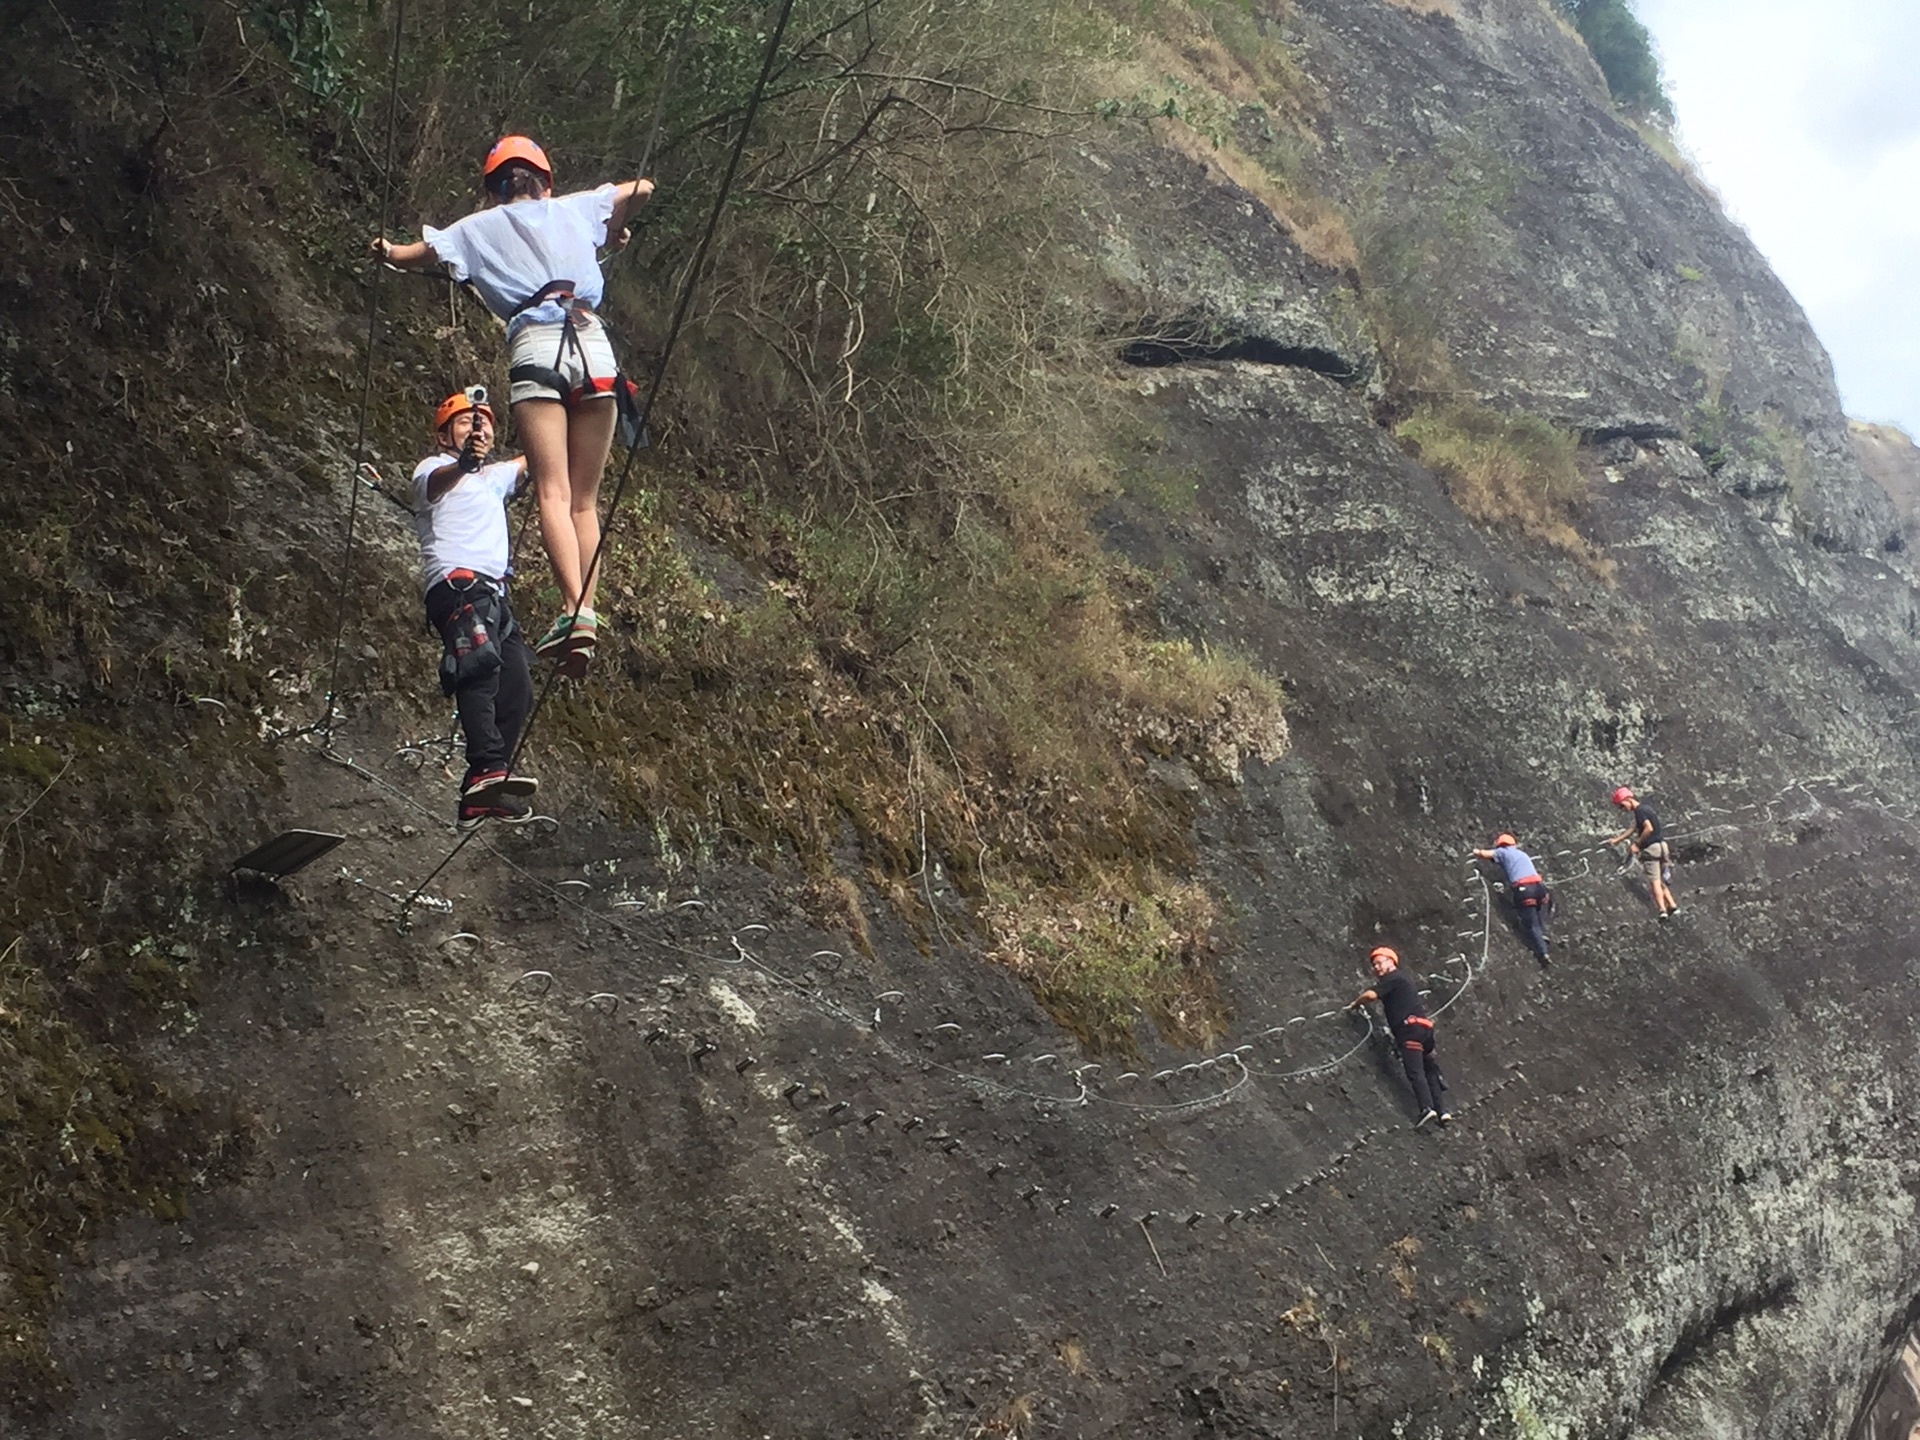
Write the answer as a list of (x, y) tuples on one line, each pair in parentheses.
[(534, 259)]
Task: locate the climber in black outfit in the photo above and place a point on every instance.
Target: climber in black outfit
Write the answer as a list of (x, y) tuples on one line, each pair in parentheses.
[(1412, 1032)]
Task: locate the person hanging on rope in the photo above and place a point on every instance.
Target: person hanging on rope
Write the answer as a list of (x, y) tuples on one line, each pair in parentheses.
[(1532, 900), (1647, 839), (460, 515), (1412, 1033), (533, 258)]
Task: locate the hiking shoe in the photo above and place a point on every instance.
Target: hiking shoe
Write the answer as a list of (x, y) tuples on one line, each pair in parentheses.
[(478, 785), (569, 632), (494, 804), (491, 780), (1425, 1116)]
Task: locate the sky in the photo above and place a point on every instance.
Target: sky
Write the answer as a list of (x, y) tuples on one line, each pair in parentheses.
[(1805, 117)]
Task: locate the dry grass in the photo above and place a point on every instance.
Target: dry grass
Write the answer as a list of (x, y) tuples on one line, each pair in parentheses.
[(1222, 50), (1303, 1316), (1210, 66), (1664, 143), (1401, 1269), (1011, 1421), (1445, 9), (1313, 222), (1514, 472), (1102, 966)]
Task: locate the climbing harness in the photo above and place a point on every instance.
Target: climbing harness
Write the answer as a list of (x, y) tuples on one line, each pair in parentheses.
[(477, 630), (576, 316)]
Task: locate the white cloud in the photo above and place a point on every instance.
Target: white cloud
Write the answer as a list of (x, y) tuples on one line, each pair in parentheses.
[(1806, 120)]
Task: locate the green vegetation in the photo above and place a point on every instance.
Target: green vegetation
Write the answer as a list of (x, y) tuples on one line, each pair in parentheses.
[(1707, 435), (856, 588), (1623, 50)]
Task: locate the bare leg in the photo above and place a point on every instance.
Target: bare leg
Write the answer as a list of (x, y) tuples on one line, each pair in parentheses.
[(589, 441), (543, 431)]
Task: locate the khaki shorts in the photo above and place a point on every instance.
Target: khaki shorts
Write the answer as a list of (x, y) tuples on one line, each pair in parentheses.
[(575, 367), (1654, 856)]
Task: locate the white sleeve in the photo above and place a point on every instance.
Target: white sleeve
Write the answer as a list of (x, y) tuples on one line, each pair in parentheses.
[(594, 207), (450, 246), (420, 473)]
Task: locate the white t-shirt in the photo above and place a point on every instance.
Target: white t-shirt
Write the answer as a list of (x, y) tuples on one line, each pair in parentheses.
[(512, 252), (466, 528)]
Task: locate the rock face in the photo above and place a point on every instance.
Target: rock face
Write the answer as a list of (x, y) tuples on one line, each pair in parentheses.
[(1891, 460), (621, 1147)]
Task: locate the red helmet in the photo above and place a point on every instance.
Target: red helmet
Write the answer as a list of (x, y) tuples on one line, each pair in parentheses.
[(1503, 839), (1385, 952), (1623, 796), (474, 397), (516, 147)]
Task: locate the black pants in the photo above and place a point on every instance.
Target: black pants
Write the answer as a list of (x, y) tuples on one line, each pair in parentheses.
[(1423, 1071), (493, 708), (1531, 903)]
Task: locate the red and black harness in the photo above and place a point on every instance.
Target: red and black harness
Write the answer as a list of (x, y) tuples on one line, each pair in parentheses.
[(1533, 894), (479, 626), (576, 312), (1417, 1039)]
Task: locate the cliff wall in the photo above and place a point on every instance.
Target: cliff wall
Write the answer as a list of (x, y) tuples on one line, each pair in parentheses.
[(629, 1140)]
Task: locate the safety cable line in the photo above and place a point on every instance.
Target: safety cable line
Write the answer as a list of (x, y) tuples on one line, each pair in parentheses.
[(324, 725), (1086, 1093), (835, 1010), (1250, 1213), (646, 408)]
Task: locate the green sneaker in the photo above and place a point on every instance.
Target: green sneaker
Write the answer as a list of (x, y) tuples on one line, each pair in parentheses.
[(569, 632)]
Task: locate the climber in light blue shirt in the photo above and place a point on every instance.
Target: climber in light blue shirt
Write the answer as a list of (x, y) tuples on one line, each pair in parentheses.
[(1532, 900)]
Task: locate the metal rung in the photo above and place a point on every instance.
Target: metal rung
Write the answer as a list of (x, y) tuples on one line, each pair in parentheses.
[(287, 852)]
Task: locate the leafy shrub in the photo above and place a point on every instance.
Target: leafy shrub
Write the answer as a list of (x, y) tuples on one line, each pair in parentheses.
[(1623, 50)]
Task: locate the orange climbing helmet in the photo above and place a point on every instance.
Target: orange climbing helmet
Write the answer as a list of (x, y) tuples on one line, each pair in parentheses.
[(474, 397), (1503, 839), (1623, 797), (1385, 952), (515, 147)]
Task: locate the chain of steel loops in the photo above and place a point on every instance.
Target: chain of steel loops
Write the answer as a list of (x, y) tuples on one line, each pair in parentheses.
[(1048, 1082)]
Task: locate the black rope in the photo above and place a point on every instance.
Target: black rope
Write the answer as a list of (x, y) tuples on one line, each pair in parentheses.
[(324, 725), (653, 391)]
